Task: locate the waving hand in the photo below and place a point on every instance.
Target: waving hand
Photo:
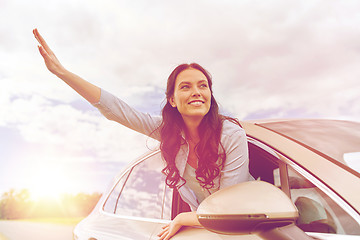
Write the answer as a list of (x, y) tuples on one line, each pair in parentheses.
[(51, 61), (87, 90)]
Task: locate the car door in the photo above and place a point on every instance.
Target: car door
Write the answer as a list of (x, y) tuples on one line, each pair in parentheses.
[(138, 202), (323, 214)]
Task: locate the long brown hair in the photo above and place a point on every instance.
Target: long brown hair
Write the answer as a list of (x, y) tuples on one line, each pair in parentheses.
[(207, 150)]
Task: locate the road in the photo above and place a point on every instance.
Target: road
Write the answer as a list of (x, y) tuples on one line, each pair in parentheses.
[(19, 230)]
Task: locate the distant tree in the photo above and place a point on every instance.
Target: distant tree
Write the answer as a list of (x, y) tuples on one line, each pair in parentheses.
[(18, 204), (15, 204), (80, 204)]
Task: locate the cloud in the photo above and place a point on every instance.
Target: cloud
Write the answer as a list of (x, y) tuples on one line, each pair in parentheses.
[(268, 59), (64, 133)]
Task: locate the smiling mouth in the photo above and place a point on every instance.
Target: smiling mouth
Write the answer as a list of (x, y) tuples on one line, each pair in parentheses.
[(196, 103)]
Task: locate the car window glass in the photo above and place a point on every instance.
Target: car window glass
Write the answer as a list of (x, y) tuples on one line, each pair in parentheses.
[(110, 203), (143, 193), (262, 163), (317, 211), (167, 203), (277, 181)]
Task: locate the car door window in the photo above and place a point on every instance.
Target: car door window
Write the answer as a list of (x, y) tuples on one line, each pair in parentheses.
[(167, 211), (262, 162), (317, 211), (142, 192), (111, 202)]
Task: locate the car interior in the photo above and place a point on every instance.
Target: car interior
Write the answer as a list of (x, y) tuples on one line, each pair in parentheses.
[(261, 167)]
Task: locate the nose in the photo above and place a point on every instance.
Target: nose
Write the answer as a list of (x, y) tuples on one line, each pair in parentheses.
[(196, 92)]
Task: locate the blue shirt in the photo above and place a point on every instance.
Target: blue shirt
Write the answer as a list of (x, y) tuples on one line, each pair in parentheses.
[(233, 139)]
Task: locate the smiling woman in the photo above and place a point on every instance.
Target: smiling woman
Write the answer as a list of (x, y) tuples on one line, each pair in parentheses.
[(191, 132)]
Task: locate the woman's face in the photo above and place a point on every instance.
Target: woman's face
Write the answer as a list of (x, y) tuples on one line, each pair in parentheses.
[(192, 95)]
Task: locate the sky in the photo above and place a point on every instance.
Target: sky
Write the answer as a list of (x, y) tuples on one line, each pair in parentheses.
[(268, 59)]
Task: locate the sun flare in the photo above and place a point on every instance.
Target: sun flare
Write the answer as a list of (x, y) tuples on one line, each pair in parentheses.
[(49, 182)]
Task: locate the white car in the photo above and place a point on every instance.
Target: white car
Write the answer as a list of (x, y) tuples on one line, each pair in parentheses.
[(308, 187)]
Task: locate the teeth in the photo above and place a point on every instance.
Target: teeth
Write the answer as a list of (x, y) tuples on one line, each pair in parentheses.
[(196, 103)]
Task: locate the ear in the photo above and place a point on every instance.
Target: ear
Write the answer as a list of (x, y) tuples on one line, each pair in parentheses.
[(172, 102)]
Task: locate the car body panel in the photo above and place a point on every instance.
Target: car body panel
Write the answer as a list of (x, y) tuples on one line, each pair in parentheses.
[(105, 226), (330, 137), (187, 233), (344, 183)]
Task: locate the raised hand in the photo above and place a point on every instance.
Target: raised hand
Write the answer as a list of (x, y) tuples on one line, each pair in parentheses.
[(87, 90), (51, 61)]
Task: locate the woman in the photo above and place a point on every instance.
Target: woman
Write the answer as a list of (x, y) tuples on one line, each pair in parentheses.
[(204, 151)]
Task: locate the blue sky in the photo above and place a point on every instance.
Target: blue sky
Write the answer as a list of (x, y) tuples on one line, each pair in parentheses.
[(268, 59)]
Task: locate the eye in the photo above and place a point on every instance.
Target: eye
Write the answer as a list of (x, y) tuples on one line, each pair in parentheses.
[(203, 85), (184, 86)]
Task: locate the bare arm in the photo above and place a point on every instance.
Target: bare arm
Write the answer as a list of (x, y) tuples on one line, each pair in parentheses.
[(183, 219), (87, 90)]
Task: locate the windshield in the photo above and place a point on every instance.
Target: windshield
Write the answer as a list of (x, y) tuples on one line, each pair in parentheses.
[(337, 139)]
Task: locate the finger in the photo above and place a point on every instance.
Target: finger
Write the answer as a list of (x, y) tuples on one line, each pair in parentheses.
[(168, 236), (162, 232), (43, 53), (163, 235), (42, 41), (36, 35), (166, 226)]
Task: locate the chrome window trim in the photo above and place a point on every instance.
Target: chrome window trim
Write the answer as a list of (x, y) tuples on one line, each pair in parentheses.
[(143, 219), (262, 146), (119, 177)]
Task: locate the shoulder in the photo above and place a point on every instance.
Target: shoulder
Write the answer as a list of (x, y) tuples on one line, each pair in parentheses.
[(232, 135), (230, 128)]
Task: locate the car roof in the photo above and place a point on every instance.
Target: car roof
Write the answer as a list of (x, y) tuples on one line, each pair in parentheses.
[(319, 134)]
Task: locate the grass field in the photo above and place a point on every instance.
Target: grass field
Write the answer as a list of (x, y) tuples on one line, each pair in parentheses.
[(64, 221)]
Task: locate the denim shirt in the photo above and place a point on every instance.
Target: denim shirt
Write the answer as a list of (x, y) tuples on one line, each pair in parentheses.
[(233, 139)]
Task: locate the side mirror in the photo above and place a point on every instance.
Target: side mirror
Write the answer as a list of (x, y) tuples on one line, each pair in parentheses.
[(245, 208)]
